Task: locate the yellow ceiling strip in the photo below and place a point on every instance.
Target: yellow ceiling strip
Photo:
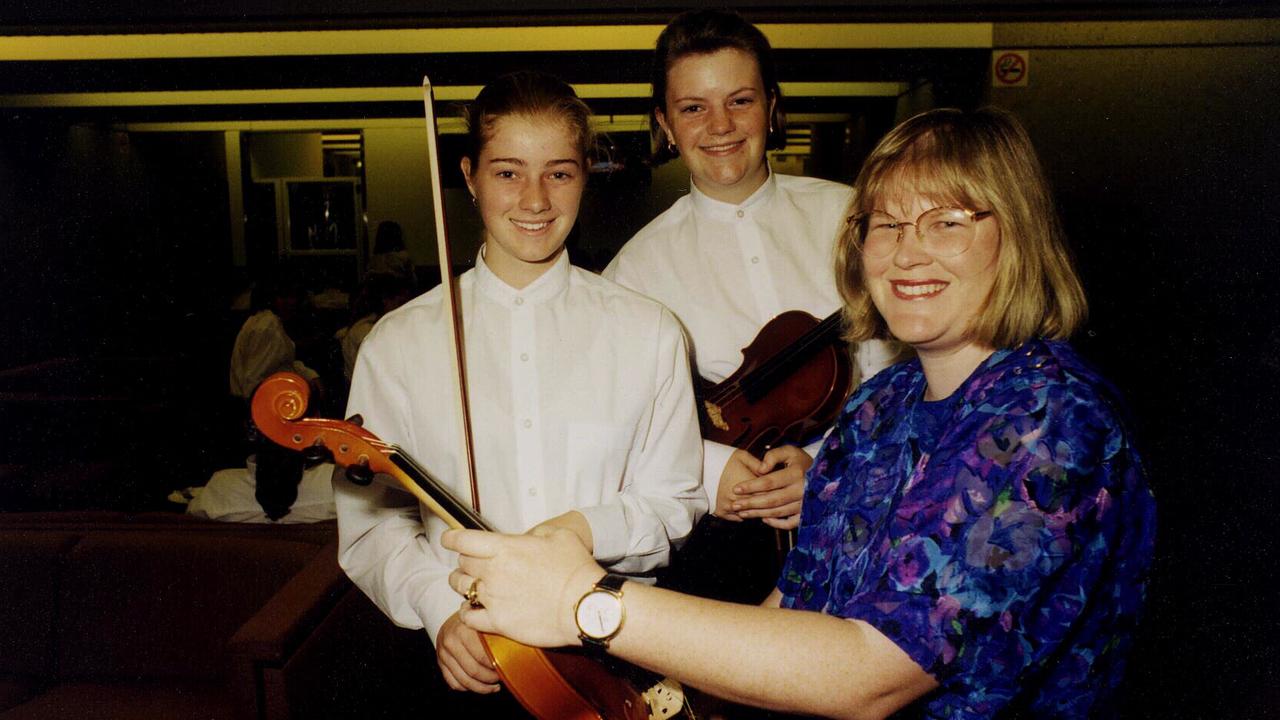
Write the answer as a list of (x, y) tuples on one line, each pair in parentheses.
[(465, 40), (836, 36), (328, 42), (843, 89), (446, 125), (455, 93)]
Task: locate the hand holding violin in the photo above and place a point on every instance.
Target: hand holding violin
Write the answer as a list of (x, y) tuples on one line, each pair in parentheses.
[(526, 585), (462, 658), (770, 488)]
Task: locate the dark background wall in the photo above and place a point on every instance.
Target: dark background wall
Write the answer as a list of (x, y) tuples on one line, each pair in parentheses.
[(1159, 135), (1161, 142)]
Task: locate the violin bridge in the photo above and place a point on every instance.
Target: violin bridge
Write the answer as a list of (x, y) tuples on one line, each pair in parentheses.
[(665, 699), (715, 415)]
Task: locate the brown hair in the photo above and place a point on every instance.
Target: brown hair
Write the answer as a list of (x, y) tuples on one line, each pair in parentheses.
[(529, 94), (982, 160), (703, 32)]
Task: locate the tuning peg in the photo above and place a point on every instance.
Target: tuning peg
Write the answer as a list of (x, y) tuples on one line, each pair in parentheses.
[(357, 420), (360, 473), (317, 453)]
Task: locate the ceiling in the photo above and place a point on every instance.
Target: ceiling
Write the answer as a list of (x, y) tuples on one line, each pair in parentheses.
[(72, 16), (226, 63)]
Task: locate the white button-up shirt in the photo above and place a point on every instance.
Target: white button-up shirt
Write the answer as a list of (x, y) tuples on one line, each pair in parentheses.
[(725, 270), (580, 399)]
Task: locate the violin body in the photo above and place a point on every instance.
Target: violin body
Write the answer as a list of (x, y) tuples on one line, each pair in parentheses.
[(550, 684), (794, 378)]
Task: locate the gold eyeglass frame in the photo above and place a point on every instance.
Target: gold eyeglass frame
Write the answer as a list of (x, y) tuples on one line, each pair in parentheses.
[(859, 239)]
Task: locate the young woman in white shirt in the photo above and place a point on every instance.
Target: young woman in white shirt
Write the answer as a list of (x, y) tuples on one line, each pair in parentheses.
[(744, 246), (581, 402)]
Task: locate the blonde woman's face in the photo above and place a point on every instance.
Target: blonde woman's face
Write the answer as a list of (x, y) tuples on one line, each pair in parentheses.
[(931, 302)]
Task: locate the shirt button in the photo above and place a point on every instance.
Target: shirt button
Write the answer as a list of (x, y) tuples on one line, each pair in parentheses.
[(533, 492), (755, 261), (519, 301), (524, 357), (528, 423), (741, 213)]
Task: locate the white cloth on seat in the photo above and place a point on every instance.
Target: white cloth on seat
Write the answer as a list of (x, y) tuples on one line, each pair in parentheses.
[(228, 496)]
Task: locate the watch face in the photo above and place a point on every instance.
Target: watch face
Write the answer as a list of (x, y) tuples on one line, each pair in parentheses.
[(599, 614)]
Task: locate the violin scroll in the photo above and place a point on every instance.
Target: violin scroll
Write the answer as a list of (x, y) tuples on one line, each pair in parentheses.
[(278, 408), (278, 401)]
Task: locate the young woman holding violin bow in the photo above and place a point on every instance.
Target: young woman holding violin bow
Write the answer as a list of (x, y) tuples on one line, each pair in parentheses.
[(580, 396), (746, 249)]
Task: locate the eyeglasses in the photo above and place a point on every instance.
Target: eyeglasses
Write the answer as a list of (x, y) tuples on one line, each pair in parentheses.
[(942, 231)]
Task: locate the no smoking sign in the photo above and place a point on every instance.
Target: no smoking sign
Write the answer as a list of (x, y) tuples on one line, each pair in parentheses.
[(1009, 68)]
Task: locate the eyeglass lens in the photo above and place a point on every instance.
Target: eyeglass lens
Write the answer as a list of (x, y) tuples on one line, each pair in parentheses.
[(942, 232)]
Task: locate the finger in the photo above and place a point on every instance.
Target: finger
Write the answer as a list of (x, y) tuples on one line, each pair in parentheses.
[(786, 477), (447, 674), (461, 676), (764, 483), (477, 619), (477, 669), (772, 497), (484, 665), (783, 455), (791, 522), (774, 511), (472, 568), (473, 543), (460, 581)]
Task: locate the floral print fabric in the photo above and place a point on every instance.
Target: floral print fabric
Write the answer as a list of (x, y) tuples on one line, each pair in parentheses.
[(1010, 561)]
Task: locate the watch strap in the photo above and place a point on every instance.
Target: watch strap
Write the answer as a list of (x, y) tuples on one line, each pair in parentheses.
[(612, 582)]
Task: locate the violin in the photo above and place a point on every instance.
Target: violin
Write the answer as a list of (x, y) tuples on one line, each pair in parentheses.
[(791, 385), (794, 378), (550, 684)]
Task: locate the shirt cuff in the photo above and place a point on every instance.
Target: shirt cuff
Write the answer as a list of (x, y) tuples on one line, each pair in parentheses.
[(608, 532), (715, 456), (437, 603)]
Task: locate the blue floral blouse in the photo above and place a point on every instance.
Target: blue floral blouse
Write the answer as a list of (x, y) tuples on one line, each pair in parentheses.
[(1005, 550)]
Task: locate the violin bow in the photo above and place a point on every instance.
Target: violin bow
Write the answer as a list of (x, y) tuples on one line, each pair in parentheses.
[(454, 316)]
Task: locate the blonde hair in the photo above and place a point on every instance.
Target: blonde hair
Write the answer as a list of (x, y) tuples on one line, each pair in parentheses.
[(982, 160)]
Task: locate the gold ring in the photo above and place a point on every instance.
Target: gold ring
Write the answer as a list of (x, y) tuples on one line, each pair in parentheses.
[(473, 594)]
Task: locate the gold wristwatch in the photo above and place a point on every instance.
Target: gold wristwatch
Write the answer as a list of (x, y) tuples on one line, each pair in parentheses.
[(599, 613)]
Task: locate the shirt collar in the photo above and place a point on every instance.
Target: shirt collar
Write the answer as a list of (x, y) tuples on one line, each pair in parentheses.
[(549, 285), (727, 212)]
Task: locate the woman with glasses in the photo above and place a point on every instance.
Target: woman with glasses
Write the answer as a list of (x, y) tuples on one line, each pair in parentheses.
[(977, 530)]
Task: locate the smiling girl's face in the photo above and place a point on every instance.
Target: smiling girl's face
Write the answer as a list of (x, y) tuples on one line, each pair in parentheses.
[(528, 182), (717, 114)]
